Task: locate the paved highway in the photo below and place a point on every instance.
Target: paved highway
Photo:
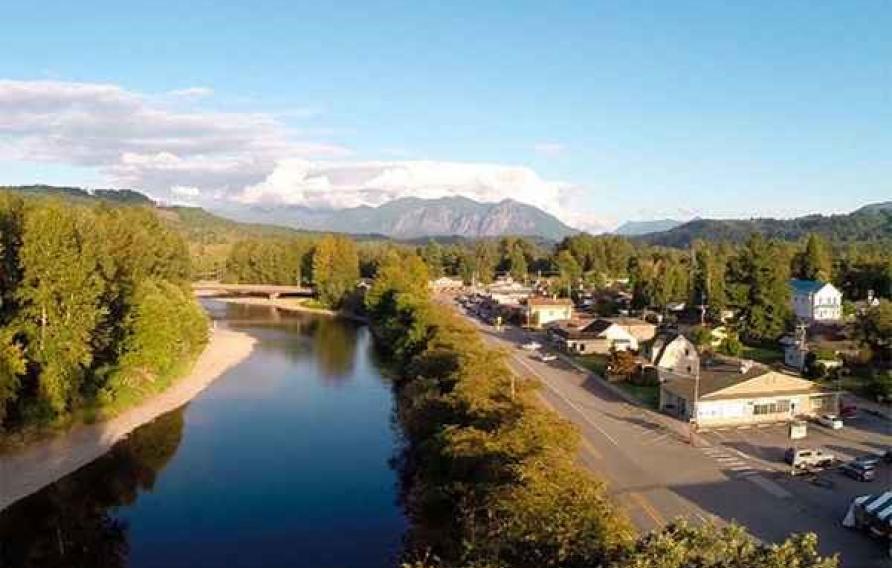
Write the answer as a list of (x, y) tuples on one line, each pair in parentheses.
[(659, 476)]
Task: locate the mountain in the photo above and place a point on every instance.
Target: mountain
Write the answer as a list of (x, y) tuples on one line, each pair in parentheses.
[(123, 196), (636, 228), (869, 223), (412, 217)]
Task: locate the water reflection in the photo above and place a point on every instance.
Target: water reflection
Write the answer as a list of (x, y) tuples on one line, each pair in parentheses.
[(70, 522), (271, 466)]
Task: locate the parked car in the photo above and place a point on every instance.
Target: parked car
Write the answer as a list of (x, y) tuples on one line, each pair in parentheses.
[(849, 411), (859, 471), (546, 357), (531, 346), (804, 458), (831, 421), (871, 460)]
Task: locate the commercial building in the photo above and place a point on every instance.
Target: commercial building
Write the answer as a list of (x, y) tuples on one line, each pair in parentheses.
[(734, 393)]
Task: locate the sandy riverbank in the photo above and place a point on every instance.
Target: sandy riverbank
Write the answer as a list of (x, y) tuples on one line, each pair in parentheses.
[(26, 471), (289, 304)]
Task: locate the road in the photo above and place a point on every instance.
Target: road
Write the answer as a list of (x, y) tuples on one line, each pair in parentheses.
[(659, 476)]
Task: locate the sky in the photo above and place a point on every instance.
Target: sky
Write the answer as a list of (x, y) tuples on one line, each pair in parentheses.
[(599, 112)]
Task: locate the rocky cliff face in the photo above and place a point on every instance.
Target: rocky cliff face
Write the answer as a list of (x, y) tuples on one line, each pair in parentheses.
[(410, 218)]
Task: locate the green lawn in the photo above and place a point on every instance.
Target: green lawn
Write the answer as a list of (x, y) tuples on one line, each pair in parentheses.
[(594, 363), (767, 355), (649, 395)]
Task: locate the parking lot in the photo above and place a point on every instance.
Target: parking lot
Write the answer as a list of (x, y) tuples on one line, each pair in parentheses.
[(759, 450)]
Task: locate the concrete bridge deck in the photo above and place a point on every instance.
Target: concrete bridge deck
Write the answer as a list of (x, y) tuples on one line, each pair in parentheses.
[(271, 291)]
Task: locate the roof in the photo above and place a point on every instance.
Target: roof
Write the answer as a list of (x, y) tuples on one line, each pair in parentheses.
[(879, 506), (725, 381), (548, 302), (630, 322), (808, 286)]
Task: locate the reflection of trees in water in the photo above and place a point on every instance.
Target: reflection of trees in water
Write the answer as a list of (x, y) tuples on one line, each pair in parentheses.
[(335, 345), (69, 523)]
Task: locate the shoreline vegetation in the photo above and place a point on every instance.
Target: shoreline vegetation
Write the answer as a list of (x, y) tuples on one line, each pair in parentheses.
[(292, 305), (26, 470), (490, 478)]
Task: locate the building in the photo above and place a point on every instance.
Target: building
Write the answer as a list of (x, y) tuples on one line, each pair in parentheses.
[(541, 311), (815, 301), (672, 352), (506, 292), (641, 330), (596, 336), (446, 284), (733, 393)]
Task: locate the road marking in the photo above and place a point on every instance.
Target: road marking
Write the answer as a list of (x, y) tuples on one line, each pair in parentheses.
[(569, 402), (770, 486), (647, 508)]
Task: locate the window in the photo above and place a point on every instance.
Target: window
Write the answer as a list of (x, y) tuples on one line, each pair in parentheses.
[(776, 407)]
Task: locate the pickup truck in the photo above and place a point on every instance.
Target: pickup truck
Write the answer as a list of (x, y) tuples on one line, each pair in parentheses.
[(808, 458)]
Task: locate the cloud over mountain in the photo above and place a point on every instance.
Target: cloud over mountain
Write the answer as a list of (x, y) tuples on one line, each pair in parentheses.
[(181, 153)]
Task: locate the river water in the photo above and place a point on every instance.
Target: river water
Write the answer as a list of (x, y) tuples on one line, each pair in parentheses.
[(283, 461)]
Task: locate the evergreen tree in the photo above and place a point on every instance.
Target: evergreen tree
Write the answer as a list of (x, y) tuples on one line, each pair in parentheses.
[(761, 274), (814, 262)]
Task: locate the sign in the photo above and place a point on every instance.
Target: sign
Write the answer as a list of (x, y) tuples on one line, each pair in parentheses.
[(798, 429)]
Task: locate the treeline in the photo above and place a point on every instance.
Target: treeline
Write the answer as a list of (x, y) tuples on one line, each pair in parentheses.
[(870, 223), (95, 308), (331, 263), (490, 478)]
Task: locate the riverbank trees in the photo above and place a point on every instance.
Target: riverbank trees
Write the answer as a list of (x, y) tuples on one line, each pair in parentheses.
[(91, 295)]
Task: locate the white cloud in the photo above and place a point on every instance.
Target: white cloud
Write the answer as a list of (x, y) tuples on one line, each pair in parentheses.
[(191, 92), (549, 149), (136, 141), (187, 191)]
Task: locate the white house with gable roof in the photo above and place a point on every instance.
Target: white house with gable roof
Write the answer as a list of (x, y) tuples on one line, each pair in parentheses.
[(815, 301)]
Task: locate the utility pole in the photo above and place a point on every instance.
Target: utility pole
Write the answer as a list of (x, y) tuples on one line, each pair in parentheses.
[(695, 419)]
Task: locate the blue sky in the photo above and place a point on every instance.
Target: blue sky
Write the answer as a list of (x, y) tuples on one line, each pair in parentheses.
[(632, 109)]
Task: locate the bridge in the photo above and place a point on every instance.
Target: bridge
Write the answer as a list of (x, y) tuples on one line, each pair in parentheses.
[(271, 291)]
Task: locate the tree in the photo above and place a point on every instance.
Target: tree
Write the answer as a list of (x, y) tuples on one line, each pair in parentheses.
[(731, 345), (681, 546), (701, 336), (335, 269), (12, 367), (814, 262), (59, 296), (874, 330), (761, 273), (621, 363)]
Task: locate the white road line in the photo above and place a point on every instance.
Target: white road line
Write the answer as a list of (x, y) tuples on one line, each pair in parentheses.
[(569, 402)]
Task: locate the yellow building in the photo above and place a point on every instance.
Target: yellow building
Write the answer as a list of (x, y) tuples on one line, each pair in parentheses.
[(541, 311)]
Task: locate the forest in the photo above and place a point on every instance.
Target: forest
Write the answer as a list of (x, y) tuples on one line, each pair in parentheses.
[(95, 309), (490, 478)]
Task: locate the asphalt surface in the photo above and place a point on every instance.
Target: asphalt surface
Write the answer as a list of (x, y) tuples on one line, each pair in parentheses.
[(735, 475)]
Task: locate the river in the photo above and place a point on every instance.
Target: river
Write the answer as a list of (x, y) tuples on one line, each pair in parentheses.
[(283, 461)]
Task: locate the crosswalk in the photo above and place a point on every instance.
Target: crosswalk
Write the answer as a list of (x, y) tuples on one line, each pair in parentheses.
[(729, 460)]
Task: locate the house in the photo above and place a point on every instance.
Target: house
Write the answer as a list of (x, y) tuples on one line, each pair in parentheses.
[(596, 336), (815, 301), (446, 284), (734, 392), (672, 352), (641, 330), (541, 311), (506, 292)]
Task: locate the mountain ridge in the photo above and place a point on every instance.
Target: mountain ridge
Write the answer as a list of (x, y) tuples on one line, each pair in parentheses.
[(414, 217)]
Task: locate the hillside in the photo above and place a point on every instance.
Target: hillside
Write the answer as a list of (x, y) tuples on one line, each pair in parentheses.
[(869, 223), (637, 228), (411, 218)]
